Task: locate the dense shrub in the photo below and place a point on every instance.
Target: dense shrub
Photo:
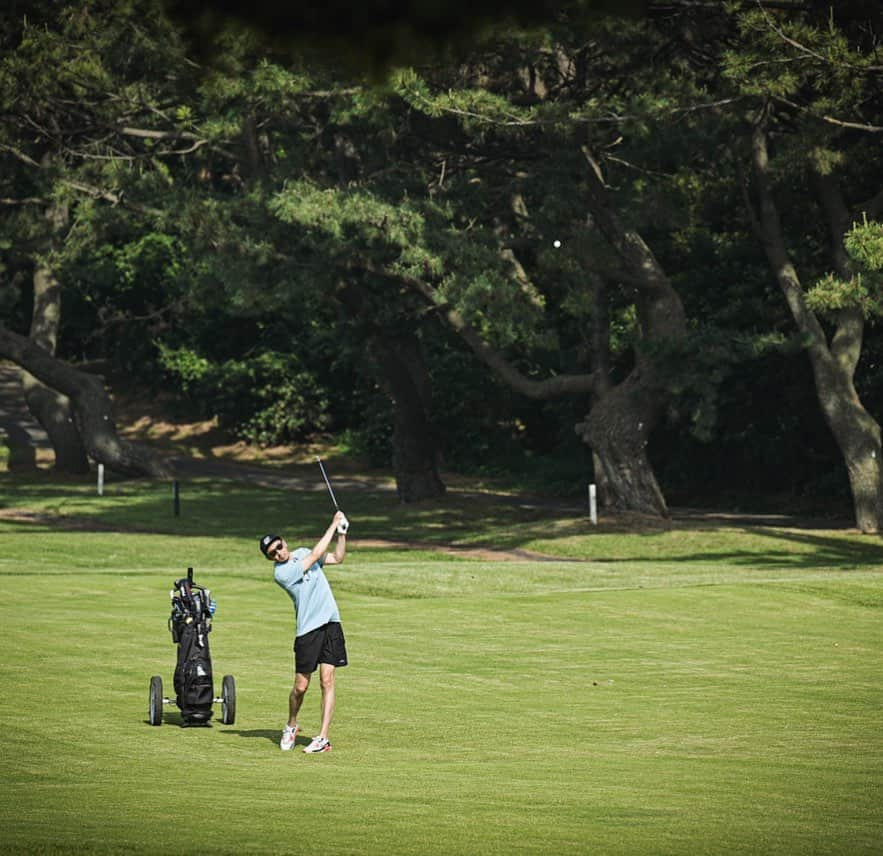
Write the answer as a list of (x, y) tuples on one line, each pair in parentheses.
[(267, 398)]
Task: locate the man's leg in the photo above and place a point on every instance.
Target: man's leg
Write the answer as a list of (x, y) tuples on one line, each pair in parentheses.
[(295, 700), (326, 678)]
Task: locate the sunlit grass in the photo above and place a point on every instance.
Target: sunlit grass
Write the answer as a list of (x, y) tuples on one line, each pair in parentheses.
[(678, 689), (491, 707)]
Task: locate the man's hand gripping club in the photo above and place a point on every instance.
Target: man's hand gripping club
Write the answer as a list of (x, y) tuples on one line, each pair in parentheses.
[(339, 526)]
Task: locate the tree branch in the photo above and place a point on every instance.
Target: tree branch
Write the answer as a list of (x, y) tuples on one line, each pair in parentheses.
[(91, 405), (853, 126), (520, 122), (88, 189), (773, 240), (198, 141), (627, 244), (536, 389), (28, 200), (19, 155), (846, 343), (803, 48), (110, 196), (150, 134), (871, 208)]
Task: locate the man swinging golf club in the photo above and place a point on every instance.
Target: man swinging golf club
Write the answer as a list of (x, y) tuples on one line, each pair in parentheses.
[(319, 640)]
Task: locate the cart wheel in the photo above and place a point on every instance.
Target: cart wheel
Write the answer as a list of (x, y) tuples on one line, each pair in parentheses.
[(228, 699), (155, 710)]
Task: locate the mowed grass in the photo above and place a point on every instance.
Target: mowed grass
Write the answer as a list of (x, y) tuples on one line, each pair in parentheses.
[(686, 690)]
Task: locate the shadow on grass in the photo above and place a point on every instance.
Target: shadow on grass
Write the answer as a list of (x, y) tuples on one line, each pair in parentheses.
[(272, 735), (235, 509), (174, 718), (860, 552), (814, 552), (460, 519)]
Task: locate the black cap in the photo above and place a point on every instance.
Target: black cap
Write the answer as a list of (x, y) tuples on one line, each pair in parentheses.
[(266, 543)]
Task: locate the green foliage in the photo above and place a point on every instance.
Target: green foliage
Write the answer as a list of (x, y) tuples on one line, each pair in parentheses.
[(267, 398), (346, 219), (864, 243), (215, 208), (864, 291), (831, 294), (412, 239), (369, 435), (475, 109), (696, 369)]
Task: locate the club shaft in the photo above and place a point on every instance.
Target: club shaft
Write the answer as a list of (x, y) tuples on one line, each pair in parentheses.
[(327, 483)]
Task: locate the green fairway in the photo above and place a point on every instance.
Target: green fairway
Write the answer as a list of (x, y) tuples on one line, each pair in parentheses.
[(701, 691)]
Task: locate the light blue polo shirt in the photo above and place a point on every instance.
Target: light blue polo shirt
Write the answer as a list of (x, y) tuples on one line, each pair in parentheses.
[(314, 604)]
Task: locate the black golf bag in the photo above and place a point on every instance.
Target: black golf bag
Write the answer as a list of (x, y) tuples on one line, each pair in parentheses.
[(190, 624)]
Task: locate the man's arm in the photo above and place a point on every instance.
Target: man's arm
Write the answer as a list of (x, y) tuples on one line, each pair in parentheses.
[(336, 558), (321, 548)]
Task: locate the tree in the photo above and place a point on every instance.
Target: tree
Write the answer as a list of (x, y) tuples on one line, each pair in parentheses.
[(265, 224), (64, 135), (834, 361), (50, 408), (494, 129), (833, 70), (91, 407), (277, 117)]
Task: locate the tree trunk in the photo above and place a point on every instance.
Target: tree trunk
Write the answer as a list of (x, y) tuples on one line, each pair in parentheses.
[(402, 373), (858, 438), (617, 429), (91, 407), (856, 432), (22, 455), (601, 363), (50, 408), (622, 417), (415, 450)]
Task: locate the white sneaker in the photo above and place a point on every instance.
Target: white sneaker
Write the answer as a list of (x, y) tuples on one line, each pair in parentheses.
[(288, 736), (319, 744)]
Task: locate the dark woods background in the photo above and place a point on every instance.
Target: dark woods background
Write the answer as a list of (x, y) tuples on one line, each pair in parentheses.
[(300, 223)]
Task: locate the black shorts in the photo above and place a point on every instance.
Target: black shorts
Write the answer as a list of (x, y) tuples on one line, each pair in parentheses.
[(325, 644)]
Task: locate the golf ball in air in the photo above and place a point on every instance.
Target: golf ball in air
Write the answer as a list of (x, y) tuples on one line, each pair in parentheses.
[(556, 244)]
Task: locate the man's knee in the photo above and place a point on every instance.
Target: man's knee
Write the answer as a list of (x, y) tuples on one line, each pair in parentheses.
[(301, 684)]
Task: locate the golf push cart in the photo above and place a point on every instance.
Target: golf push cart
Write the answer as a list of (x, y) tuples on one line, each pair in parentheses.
[(190, 624)]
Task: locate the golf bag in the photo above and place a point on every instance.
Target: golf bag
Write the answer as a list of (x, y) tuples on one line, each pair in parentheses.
[(190, 624)]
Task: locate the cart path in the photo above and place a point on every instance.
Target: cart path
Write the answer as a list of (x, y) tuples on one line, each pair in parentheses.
[(16, 422)]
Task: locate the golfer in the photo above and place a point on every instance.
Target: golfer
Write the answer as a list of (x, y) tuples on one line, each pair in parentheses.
[(319, 640)]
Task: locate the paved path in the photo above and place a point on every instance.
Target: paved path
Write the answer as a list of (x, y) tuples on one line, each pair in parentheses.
[(19, 432)]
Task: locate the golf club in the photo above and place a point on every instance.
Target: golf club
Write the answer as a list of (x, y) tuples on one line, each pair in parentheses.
[(344, 524), (328, 483)]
